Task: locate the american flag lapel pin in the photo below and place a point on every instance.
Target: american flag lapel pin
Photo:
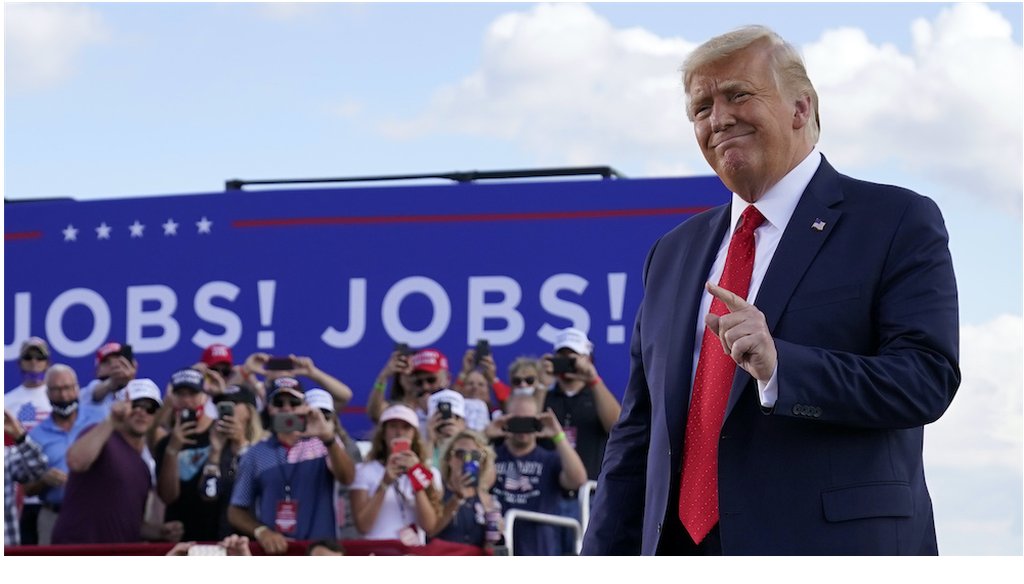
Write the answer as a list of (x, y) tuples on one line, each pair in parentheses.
[(818, 225)]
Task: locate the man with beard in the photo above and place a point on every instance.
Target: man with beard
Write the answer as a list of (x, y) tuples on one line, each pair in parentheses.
[(109, 482), (55, 435)]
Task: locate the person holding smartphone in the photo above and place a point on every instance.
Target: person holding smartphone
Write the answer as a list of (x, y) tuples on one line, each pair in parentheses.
[(285, 484), (181, 456), (467, 472), (396, 493), (532, 478)]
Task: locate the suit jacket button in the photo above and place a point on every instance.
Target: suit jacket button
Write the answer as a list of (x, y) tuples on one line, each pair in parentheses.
[(817, 412), (798, 410), (659, 528)]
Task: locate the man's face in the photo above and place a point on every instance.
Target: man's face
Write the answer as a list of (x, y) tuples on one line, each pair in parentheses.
[(749, 132), (62, 387), (428, 382), (186, 398), (33, 361), (140, 418), (523, 407)]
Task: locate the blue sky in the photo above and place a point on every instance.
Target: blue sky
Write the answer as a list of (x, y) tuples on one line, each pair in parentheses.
[(114, 100)]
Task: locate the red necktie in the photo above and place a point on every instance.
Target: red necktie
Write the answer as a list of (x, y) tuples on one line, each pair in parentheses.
[(698, 486)]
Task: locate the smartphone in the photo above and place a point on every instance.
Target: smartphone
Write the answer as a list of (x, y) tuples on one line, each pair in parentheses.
[(279, 364), (563, 364), (471, 469), (523, 425), (403, 349), (400, 445), (286, 422), (225, 409), (446, 410), (483, 349), (186, 416), (127, 352)]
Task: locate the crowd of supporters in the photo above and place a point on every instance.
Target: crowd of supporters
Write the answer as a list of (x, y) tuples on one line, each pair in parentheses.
[(227, 453)]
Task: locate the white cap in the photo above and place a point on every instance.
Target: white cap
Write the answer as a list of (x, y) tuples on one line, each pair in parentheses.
[(319, 399), (447, 395), (142, 389), (574, 339)]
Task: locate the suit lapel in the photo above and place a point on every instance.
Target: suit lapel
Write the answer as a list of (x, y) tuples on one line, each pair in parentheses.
[(813, 220), (693, 267)]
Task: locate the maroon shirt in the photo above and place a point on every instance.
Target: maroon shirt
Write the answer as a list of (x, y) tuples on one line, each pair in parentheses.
[(107, 503)]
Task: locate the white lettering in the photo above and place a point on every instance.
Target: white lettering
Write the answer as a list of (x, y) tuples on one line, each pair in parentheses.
[(138, 318), (206, 310), (351, 336), (22, 324), (59, 342), (556, 306), (479, 310), (442, 311)]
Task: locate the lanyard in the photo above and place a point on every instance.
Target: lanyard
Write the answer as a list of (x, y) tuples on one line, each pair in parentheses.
[(287, 479)]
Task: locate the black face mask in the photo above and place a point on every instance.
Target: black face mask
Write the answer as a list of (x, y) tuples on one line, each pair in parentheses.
[(64, 409)]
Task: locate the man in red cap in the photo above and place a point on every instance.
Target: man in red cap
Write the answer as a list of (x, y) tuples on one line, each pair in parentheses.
[(430, 371), (115, 367)]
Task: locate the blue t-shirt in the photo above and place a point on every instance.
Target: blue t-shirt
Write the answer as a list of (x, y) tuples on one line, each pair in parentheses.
[(55, 443), (530, 483), (469, 525), (266, 469)]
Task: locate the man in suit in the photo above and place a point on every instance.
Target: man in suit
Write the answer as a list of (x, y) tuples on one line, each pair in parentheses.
[(790, 347)]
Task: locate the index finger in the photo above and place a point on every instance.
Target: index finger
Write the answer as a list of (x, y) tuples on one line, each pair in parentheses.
[(732, 301)]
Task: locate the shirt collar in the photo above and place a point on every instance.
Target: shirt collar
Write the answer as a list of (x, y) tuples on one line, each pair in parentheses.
[(778, 203)]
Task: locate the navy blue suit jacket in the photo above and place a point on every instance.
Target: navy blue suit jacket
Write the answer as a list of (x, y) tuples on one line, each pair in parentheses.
[(864, 317)]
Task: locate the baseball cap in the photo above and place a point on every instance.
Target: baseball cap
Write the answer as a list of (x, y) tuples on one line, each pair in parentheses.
[(400, 412), (287, 384), (239, 394), (142, 389), (452, 397), (35, 343), (217, 353), (319, 399), (429, 360), (188, 378), (574, 339), (111, 348)]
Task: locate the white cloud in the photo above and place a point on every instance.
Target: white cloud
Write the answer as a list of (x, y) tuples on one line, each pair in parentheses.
[(984, 425), (43, 41), (567, 87), (951, 111)]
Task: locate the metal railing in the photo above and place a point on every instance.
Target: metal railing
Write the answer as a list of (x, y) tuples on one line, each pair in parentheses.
[(518, 514), (584, 497)]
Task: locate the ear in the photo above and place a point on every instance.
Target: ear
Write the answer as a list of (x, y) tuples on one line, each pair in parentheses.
[(802, 111)]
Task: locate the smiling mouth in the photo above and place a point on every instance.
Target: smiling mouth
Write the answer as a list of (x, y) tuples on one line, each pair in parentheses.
[(729, 139)]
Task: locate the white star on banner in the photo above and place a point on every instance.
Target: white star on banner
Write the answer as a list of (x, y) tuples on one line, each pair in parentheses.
[(103, 231), (136, 228), (204, 225), (70, 233), (170, 228)]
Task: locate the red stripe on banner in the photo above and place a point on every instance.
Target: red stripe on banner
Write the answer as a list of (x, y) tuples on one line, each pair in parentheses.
[(482, 217), (23, 235)]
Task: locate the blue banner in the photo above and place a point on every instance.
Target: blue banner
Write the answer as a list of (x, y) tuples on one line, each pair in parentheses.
[(340, 274)]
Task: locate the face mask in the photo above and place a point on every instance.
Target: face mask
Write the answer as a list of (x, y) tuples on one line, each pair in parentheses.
[(65, 409), (33, 377)]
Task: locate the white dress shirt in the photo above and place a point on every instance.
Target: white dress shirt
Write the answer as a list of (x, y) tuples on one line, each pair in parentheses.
[(777, 206)]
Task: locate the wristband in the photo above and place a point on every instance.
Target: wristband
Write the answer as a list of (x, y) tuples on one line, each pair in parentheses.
[(329, 442), (380, 386), (420, 477), (560, 437), (594, 381), (256, 532), (21, 439)]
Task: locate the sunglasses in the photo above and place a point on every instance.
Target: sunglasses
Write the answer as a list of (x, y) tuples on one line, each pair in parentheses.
[(147, 405), (424, 381), (280, 401), (33, 358), (529, 380), (463, 454)]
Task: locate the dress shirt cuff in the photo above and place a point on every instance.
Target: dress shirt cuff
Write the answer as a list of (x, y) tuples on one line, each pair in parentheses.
[(768, 392)]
